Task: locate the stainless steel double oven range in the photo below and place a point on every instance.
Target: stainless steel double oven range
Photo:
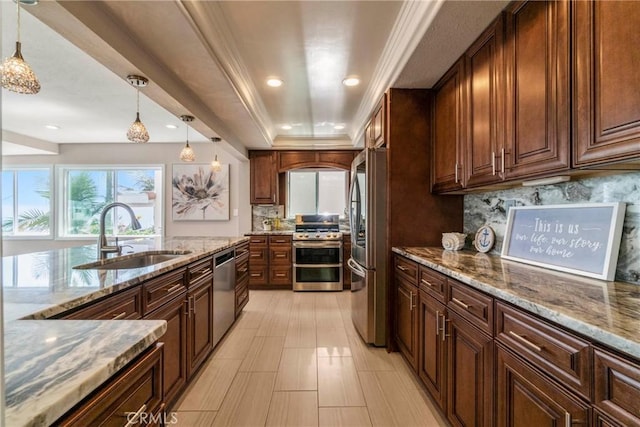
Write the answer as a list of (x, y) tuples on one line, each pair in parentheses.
[(317, 253)]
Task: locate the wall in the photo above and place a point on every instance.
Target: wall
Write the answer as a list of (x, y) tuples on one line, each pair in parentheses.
[(143, 154), (489, 208)]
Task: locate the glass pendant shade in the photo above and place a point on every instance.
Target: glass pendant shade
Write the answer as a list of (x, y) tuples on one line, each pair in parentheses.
[(137, 131), (215, 165), (17, 75), (187, 154)]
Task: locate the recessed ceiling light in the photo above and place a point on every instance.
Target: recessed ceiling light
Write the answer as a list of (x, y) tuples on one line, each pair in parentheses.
[(285, 127), (274, 82), (52, 127), (172, 126), (351, 81), (338, 127)]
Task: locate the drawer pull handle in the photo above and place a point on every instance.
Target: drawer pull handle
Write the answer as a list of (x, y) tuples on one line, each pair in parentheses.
[(280, 274), (281, 255), (256, 255), (437, 322), (526, 342), (255, 274), (413, 302), (242, 270), (203, 272), (402, 268), (461, 303), (444, 328), (119, 316), (174, 287), (426, 282), (133, 420)]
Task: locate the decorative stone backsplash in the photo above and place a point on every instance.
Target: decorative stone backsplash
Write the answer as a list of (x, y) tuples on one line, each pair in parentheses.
[(491, 208), (260, 213)]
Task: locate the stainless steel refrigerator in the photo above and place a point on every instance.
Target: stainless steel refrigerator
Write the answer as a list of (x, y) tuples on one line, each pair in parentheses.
[(368, 262)]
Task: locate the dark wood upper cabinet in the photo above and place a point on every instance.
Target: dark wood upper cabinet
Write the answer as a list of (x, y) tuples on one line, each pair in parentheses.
[(379, 123), (289, 160), (537, 88), (484, 109), (447, 169), (606, 82), (263, 177)]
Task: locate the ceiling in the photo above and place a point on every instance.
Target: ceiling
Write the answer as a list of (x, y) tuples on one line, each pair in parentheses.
[(211, 59)]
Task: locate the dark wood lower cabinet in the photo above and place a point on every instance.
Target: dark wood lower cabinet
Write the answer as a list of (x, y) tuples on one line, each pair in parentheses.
[(199, 325), (469, 374), (407, 320), (526, 398), (175, 344), (137, 389), (432, 347)]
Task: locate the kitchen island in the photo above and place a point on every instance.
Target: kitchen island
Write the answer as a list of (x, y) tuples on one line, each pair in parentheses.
[(51, 365)]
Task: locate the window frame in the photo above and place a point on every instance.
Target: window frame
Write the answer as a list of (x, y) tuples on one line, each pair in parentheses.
[(342, 215), (61, 185), (52, 214)]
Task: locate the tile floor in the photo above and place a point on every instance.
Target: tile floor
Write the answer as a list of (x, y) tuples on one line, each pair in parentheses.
[(295, 359)]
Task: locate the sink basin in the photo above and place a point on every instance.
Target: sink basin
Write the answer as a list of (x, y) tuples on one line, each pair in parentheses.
[(138, 260)]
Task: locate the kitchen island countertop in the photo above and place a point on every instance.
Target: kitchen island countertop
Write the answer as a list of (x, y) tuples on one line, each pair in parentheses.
[(606, 312), (51, 365)]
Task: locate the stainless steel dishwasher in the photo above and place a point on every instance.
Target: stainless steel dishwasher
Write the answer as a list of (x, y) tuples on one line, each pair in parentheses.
[(224, 293)]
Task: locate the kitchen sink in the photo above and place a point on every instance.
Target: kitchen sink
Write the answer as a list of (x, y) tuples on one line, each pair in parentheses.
[(138, 260)]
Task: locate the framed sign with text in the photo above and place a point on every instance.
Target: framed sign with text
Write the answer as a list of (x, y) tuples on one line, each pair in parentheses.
[(581, 238)]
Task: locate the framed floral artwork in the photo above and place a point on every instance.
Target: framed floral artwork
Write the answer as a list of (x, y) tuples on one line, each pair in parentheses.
[(200, 193)]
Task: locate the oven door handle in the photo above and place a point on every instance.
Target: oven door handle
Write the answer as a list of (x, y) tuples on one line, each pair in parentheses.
[(356, 268), (316, 245), (339, 265)]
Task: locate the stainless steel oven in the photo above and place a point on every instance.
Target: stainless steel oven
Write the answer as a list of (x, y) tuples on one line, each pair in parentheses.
[(317, 254)]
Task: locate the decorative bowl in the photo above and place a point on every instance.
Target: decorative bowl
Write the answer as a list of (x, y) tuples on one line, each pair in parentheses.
[(453, 241)]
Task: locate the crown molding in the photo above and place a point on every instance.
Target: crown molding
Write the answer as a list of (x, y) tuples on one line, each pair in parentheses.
[(210, 25), (311, 143), (409, 28)]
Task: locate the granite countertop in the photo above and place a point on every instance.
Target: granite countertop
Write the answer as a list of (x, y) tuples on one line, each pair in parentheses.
[(51, 365), (270, 233), (606, 312)]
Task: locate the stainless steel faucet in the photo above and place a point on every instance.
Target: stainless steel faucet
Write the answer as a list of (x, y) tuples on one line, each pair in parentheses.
[(103, 247)]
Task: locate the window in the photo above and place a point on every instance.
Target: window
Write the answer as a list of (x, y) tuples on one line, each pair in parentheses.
[(317, 192), (86, 191), (26, 202)]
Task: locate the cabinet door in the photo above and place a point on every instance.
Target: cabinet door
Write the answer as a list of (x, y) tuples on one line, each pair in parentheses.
[(607, 82), (484, 110), (264, 177), (617, 388), (432, 347), (407, 320), (175, 346), (469, 374), (447, 131), (200, 326), (537, 75), (526, 398)]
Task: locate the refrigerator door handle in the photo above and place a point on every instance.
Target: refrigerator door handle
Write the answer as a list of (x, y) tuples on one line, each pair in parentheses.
[(356, 268)]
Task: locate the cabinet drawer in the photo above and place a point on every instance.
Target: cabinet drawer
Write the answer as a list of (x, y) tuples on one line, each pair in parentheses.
[(473, 305), (433, 282), (279, 275), (242, 249), (617, 387), (137, 388), (258, 256), (242, 297), (554, 351), (125, 305), (258, 241), (280, 256), (258, 275), (200, 270), (161, 290), (280, 240), (407, 269), (242, 268)]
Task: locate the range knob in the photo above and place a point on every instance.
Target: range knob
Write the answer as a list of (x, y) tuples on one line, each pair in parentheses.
[(317, 235), (306, 236)]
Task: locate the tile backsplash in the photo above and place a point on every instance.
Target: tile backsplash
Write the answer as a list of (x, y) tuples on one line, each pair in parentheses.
[(491, 208), (260, 213)]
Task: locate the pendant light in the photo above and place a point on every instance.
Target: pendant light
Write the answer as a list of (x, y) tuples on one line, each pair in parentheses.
[(17, 75), (137, 131), (187, 154), (215, 164)]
